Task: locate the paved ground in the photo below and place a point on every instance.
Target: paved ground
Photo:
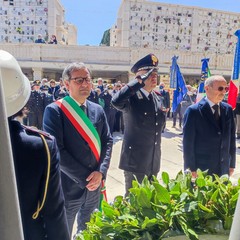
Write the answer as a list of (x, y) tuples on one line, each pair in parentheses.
[(171, 161)]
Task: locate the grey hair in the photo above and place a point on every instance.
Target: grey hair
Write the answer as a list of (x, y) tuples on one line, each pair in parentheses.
[(67, 72), (210, 80)]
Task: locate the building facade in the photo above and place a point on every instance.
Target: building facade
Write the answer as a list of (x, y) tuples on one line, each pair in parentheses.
[(141, 27), (146, 24), (22, 20)]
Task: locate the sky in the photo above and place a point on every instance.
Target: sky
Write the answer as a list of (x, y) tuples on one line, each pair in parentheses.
[(93, 17)]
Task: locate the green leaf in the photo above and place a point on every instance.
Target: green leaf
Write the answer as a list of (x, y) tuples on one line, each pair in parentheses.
[(215, 195), (192, 234), (204, 208), (149, 222), (109, 211), (150, 213), (165, 178), (183, 197), (234, 198), (143, 198), (162, 193), (200, 182), (175, 187)]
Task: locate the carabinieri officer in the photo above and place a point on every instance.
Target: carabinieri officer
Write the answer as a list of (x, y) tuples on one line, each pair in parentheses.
[(144, 118)]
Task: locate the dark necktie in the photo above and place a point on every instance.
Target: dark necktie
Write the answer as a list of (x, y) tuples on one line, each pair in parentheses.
[(150, 97), (83, 108), (216, 113), (151, 101)]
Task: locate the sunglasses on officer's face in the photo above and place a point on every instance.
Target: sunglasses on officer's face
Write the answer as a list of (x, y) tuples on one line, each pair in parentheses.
[(220, 89)]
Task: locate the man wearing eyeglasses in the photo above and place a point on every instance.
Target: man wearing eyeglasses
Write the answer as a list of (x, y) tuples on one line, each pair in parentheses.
[(209, 132), (83, 137)]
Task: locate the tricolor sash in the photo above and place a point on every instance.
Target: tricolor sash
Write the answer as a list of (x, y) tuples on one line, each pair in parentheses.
[(85, 128), (82, 124)]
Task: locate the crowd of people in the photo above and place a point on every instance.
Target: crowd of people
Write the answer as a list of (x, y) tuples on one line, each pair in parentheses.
[(47, 91), (79, 118)]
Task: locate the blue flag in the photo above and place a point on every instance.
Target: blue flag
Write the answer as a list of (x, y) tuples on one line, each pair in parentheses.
[(181, 89), (205, 70), (205, 73), (236, 64), (173, 75)]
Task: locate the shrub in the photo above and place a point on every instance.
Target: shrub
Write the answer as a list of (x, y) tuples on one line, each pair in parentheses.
[(155, 210)]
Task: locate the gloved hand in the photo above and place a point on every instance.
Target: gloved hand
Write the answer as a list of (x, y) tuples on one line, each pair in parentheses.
[(145, 76)]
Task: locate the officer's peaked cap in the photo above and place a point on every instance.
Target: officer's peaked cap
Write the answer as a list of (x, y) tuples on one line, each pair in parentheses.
[(148, 62), (36, 83)]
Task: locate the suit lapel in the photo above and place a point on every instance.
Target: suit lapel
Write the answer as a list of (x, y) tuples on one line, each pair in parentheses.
[(90, 111), (222, 116)]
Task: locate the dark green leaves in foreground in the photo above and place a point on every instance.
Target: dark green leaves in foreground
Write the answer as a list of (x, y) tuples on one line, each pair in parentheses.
[(157, 210)]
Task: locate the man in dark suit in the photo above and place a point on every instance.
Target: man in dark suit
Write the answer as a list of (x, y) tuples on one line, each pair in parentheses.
[(209, 132), (166, 98), (74, 121), (93, 96), (165, 95), (144, 119), (110, 111), (47, 98), (36, 162)]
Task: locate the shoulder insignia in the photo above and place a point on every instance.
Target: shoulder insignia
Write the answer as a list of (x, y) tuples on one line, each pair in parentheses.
[(139, 95), (37, 131)]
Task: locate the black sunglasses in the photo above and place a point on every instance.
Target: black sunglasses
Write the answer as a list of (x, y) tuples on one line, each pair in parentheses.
[(220, 89)]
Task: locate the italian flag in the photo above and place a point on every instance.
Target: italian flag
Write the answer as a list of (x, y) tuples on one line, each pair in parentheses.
[(234, 83), (233, 92)]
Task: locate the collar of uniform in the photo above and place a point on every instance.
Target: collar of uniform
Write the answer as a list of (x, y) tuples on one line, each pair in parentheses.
[(146, 93)]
